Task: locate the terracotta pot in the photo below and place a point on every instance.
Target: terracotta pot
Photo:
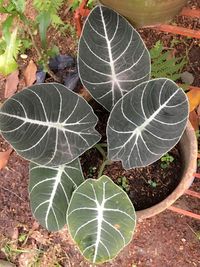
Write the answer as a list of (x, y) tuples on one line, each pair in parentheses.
[(188, 148), (146, 12)]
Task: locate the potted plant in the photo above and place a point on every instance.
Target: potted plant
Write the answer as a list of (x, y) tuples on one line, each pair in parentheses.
[(143, 12), (52, 126)]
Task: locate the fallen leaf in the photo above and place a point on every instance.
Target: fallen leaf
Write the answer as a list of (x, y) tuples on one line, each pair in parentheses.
[(30, 73), (4, 156), (194, 98), (12, 82), (193, 117), (85, 94)]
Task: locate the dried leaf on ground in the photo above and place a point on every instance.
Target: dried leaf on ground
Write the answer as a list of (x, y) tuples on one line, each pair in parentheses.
[(12, 82), (194, 120), (194, 98), (85, 94), (30, 73), (4, 157)]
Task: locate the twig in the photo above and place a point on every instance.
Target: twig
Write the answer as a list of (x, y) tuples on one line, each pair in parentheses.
[(38, 51), (6, 189), (33, 41)]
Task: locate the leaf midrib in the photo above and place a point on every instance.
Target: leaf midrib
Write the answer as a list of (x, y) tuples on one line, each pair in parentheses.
[(57, 125), (53, 193), (112, 66)]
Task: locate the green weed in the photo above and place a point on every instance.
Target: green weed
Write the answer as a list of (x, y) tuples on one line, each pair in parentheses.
[(166, 160), (164, 65), (152, 183), (17, 38), (123, 183)]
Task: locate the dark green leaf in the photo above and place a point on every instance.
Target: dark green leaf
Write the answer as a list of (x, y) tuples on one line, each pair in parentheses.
[(112, 57), (44, 20), (48, 124), (50, 190), (101, 219), (146, 123)]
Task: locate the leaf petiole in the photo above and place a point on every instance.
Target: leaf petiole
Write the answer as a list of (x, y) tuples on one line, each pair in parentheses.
[(103, 165), (99, 147)]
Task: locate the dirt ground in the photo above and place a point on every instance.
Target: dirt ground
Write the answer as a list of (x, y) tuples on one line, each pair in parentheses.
[(166, 240)]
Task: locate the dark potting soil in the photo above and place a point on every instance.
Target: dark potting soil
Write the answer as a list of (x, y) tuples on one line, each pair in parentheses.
[(145, 186)]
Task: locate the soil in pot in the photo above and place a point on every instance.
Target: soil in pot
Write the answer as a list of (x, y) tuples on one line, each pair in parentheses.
[(145, 186)]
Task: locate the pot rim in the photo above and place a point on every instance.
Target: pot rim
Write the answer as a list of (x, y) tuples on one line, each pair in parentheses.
[(186, 181)]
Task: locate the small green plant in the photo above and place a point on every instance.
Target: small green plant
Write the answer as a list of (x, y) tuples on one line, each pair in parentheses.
[(16, 39), (22, 237), (164, 65), (123, 182), (166, 160), (91, 172), (76, 3), (47, 15), (11, 250), (152, 183)]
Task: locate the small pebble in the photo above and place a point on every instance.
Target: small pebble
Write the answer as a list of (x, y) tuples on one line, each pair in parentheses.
[(23, 56), (187, 77)]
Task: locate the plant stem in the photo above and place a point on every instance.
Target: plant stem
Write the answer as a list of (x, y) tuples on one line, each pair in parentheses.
[(26, 22), (101, 150), (103, 165), (103, 144)]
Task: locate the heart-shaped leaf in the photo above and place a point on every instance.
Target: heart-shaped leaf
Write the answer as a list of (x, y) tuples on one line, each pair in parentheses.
[(101, 219), (112, 57), (50, 190), (48, 124), (146, 123)]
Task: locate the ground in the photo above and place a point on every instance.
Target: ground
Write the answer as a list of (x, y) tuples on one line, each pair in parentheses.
[(166, 240)]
